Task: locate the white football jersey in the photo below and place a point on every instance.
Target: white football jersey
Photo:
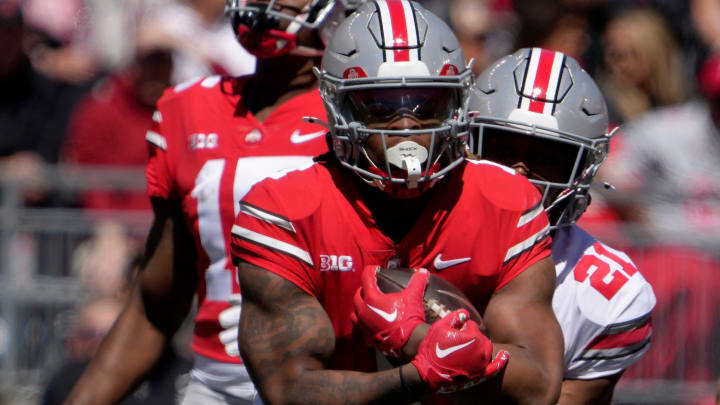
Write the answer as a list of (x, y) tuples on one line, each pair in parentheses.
[(602, 303)]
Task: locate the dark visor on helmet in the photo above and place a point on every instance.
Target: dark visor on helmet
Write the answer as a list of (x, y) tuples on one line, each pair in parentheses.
[(547, 159), (430, 106)]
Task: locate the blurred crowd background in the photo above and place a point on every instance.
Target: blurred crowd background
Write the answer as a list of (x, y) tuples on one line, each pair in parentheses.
[(78, 81)]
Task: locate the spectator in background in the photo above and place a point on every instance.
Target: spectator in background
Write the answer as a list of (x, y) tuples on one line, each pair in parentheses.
[(34, 109), (642, 64), (108, 127), (203, 41), (555, 25), (86, 331), (482, 29), (706, 18), (99, 262), (670, 158), (56, 42), (92, 323)]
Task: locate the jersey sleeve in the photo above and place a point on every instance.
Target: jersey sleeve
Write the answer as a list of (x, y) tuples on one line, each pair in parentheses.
[(611, 352), (527, 239), (157, 173), (605, 315), (264, 236)]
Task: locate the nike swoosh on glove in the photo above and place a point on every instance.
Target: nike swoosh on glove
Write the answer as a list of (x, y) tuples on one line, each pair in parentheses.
[(455, 355), (230, 320), (387, 320)]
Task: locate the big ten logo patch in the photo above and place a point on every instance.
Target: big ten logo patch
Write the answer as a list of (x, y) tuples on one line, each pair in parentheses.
[(203, 141), (336, 263)]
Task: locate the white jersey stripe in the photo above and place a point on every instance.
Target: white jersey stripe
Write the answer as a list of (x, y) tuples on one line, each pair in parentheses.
[(272, 243), (626, 326), (607, 354), (530, 215), (261, 214), (156, 139), (526, 244)]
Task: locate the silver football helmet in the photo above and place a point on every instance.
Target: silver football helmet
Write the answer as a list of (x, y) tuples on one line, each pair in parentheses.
[(545, 96), (322, 16), (393, 57)]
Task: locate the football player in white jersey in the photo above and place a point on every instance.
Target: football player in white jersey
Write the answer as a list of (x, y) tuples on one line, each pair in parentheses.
[(538, 112), (211, 140)]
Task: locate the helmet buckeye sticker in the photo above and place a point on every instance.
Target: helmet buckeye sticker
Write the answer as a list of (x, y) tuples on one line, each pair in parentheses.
[(354, 72), (449, 70)]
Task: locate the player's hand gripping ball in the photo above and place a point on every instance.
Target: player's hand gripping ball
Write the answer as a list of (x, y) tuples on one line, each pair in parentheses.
[(387, 319), (392, 302), (455, 355), (439, 298)]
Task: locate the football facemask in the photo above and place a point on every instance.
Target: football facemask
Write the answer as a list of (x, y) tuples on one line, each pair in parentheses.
[(393, 60), (270, 29)]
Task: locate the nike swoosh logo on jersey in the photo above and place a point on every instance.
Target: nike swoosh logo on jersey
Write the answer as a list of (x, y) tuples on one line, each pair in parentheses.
[(442, 353), (441, 264), (390, 317), (296, 137)]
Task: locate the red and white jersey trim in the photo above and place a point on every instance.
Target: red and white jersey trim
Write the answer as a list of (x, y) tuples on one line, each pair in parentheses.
[(531, 214), (272, 243), (619, 341), (399, 30), (156, 139), (259, 213), (541, 81), (527, 244)]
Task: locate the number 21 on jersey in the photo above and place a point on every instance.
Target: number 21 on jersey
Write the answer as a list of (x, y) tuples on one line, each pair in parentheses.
[(608, 273)]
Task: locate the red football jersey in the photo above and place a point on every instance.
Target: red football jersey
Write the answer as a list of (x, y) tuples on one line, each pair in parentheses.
[(207, 150), (482, 227)]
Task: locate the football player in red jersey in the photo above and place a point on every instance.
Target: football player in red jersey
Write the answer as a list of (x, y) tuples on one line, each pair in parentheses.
[(554, 130), (212, 139), (396, 190)]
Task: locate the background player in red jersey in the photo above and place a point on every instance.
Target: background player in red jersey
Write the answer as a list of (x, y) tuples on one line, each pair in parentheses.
[(396, 191), (212, 139), (554, 130)]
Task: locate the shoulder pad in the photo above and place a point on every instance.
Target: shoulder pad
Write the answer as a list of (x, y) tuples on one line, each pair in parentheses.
[(501, 185), (298, 190)]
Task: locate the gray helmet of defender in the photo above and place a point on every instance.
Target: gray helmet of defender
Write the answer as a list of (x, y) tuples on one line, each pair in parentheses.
[(543, 95)]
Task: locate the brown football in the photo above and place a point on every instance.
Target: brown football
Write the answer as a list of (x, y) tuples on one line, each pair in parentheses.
[(441, 297)]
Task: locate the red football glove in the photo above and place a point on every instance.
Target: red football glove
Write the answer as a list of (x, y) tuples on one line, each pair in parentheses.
[(455, 355), (387, 320)]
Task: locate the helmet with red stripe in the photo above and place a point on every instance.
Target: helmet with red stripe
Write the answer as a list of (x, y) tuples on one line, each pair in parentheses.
[(393, 60), (539, 112), (271, 28)]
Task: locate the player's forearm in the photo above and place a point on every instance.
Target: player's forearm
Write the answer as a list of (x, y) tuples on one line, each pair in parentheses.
[(528, 380), (345, 387), (128, 352)]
